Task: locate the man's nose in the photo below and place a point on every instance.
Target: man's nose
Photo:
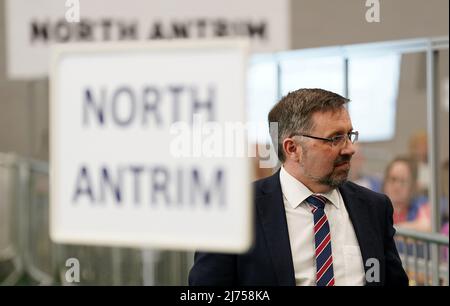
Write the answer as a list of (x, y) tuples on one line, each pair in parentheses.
[(349, 148)]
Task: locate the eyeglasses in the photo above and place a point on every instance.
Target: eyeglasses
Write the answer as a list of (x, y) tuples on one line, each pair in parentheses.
[(338, 140)]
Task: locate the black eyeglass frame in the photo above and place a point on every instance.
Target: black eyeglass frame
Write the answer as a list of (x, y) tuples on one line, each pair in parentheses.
[(335, 139)]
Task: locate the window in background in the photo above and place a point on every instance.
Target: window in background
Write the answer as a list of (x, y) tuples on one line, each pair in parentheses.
[(373, 90), (261, 95), (320, 72)]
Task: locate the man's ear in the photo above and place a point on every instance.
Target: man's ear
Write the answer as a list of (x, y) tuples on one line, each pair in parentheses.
[(291, 149)]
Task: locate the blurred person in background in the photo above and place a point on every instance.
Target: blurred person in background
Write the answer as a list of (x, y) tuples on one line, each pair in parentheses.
[(357, 175), (418, 148), (445, 196), (425, 210), (400, 185), (444, 207), (445, 210)]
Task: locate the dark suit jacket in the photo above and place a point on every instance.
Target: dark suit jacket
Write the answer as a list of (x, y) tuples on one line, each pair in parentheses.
[(269, 261)]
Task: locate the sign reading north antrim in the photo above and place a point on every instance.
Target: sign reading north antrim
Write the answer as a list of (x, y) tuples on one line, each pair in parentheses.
[(32, 26), (138, 133)]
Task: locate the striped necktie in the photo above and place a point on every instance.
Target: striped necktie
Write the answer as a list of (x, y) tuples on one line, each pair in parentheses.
[(322, 239)]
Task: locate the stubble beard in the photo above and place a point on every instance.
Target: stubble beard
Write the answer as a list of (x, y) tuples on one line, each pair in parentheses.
[(332, 179)]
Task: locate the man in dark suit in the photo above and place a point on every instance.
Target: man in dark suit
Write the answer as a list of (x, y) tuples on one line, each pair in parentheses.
[(312, 226)]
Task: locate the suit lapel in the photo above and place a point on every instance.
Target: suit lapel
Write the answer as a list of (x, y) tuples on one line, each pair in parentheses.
[(273, 220), (271, 212), (359, 214)]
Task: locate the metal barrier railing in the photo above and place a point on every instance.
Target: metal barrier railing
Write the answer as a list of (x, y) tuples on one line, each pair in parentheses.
[(28, 256), (11, 266), (424, 256)]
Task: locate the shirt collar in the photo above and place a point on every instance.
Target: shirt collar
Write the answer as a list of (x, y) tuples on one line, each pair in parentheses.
[(296, 192)]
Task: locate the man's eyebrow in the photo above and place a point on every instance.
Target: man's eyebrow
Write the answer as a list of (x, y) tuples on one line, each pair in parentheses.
[(339, 132)]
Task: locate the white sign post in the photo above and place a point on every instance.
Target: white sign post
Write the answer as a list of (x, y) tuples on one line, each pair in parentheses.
[(130, 159)]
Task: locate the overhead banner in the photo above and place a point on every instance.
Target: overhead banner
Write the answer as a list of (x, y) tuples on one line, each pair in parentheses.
[(32, 26), (141, 153)]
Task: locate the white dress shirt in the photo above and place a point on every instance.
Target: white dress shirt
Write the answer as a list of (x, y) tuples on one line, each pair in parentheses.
[(347, 260)]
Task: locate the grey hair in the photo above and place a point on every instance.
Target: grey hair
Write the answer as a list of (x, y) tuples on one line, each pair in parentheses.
[(293, 113)]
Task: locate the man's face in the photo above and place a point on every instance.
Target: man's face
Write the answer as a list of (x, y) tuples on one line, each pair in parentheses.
[(321, 162)]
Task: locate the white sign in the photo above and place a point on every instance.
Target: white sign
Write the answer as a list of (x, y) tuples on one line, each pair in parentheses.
[(128, 164), (32, 26)]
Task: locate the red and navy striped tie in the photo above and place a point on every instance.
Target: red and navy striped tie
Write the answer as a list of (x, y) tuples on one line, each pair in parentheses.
[(322, 238)]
